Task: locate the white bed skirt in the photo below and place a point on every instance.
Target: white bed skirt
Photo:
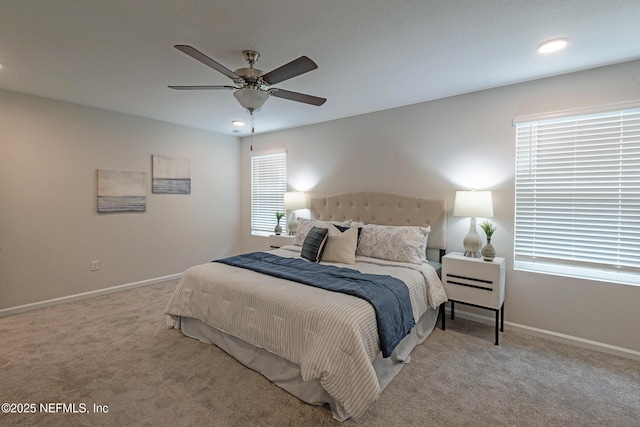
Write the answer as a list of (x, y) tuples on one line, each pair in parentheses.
[(286, 374)]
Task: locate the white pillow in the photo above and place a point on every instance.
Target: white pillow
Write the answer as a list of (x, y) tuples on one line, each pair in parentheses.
[(305, 225), (394, 243), (341, 246)]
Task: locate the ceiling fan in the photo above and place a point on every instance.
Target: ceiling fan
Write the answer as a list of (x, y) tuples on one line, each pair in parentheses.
[(252, 86)]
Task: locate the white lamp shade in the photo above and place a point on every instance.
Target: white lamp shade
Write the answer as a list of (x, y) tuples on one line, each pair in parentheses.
[(474, 204), (295, 200)]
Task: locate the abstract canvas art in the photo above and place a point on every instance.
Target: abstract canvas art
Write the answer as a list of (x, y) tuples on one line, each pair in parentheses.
[(121, 191), (171, 175)]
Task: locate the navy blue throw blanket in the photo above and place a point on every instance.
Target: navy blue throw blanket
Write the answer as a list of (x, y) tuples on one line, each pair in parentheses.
[(388, 296)]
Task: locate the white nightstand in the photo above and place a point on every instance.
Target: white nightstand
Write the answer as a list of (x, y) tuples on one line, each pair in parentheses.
[(475, 282), (278, 240)]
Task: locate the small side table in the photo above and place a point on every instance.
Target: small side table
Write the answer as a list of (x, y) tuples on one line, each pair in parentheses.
[(279, 240), (474, 282)]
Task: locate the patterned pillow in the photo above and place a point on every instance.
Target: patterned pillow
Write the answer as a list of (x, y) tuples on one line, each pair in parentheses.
[(313, 245), (341, 245), (394, 243), (304, 225)]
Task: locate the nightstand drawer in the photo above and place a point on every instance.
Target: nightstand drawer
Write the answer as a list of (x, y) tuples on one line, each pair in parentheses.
[(473, 280), (461, 290)]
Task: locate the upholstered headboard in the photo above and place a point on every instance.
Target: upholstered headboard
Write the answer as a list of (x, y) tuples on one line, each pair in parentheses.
[(386, 209)]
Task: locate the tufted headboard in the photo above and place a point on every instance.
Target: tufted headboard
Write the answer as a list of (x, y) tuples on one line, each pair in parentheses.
[(386, 209)]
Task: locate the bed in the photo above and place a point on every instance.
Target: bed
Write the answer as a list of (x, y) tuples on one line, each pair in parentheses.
[(324, 347)]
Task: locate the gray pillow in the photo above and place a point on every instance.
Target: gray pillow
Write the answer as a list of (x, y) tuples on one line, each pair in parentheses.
[(313, 245)]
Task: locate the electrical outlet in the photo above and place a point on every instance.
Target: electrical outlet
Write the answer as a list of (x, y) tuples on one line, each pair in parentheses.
[(95, 265)]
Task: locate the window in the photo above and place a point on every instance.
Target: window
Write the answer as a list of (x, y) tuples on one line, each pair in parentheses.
[(578, 195), (268, 185)]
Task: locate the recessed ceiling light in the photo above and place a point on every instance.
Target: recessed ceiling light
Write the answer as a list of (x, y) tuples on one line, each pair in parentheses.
[(553, 45), (238, 123)]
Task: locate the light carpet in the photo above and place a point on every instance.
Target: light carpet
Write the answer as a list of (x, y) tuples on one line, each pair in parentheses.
[(115, 352)]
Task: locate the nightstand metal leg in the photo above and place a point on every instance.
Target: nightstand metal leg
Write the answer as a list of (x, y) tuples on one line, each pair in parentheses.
[(497, 325), (502, 318), (452, 309), (442, 315)]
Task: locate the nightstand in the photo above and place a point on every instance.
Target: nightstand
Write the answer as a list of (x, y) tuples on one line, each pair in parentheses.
[(474, 282), (278, 240)]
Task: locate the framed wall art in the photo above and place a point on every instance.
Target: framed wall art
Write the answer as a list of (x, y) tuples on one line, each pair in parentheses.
[(171, 175), (121, 191)]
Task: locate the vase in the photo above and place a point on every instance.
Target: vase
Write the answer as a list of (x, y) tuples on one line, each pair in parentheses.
[(278, 229), (488, 252)]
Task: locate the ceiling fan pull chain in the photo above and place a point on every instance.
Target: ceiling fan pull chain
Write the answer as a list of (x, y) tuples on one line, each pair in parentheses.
[(252, 130)]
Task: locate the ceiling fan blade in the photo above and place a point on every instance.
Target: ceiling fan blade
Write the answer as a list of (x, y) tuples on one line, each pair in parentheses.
[(202, 87), (300, 97), (294, 68), (199, 56)]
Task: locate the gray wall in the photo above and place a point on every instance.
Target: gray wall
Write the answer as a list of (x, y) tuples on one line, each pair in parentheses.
[(435, 148), (49, 228)]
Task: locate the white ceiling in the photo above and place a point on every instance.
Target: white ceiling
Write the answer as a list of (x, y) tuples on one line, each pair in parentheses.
[(372, 55)]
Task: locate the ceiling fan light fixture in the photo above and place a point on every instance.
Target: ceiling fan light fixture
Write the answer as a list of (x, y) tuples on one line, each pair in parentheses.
[(554, 45), (251, 99), (252, 86)]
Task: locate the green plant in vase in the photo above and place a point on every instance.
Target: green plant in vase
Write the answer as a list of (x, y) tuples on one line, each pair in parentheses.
[(488, 252), (278, 229), (488, 228)]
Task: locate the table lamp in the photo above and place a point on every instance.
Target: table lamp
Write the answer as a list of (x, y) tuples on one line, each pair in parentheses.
[(474, 204), (293, 201)]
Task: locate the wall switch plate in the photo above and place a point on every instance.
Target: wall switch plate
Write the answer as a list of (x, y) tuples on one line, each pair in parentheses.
[(95, 265)]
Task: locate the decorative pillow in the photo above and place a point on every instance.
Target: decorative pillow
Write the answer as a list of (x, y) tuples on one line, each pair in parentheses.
[(314, 243), (341, 245), (343, 229), (304, 225), (394, 243)]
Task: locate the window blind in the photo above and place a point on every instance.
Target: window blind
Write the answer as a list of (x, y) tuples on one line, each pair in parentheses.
[(578, 196), (268, 185)]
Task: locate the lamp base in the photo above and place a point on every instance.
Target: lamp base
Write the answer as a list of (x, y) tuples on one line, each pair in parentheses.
[(292, 222), (472, 241)]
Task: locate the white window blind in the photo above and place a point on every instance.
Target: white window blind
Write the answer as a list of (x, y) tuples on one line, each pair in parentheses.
[(268, 185), (578, 196)]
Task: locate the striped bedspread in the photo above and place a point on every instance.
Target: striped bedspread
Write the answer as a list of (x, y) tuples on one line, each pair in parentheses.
[(333, 337), (388, 296)]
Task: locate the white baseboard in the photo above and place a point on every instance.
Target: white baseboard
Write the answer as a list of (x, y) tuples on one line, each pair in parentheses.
[(41, 304), (550, 335)]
